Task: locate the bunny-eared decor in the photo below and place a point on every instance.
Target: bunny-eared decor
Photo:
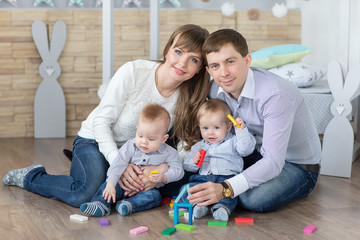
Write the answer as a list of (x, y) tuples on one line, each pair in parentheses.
[(337, 155), (49, 103)]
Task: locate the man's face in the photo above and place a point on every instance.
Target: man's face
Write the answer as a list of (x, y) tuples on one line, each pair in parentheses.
[(229, 69)]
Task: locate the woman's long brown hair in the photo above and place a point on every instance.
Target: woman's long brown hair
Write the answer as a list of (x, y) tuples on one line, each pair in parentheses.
[(193, 92)]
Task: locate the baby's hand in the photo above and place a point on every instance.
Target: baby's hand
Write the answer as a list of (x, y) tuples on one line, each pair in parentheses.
[(196, 157), (109, 192), (157, 178), (240, 122)]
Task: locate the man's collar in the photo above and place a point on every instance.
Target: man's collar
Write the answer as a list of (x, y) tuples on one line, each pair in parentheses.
[(248, 90)]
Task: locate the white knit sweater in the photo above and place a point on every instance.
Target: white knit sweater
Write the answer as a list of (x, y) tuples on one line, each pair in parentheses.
[(114, 120)]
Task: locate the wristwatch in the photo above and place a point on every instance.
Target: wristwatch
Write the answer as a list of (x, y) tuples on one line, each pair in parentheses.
[(226, 190)]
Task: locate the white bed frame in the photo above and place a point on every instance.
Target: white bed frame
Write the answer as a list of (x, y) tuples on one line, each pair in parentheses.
[(334, 165)]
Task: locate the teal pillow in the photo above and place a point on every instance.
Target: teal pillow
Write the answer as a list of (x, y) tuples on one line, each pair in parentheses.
[(279, 55)]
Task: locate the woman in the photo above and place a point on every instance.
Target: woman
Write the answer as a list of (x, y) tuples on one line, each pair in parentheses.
[(179, 83)]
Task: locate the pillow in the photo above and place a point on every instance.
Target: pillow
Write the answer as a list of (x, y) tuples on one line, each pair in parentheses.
[(275, 56), (301, 74)]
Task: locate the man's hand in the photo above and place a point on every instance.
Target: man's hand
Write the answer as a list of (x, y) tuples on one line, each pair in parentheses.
[(205, 193)]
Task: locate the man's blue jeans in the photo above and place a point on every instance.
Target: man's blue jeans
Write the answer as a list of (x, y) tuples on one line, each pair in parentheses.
[(292, 183), (87, 173), (142, 201)]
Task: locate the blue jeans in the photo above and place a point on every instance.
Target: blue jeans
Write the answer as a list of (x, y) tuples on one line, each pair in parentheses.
[(142, 201), (87, 173), (291, 184), (229, 203)]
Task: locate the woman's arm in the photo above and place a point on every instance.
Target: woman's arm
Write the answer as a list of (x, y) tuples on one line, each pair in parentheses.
[(110, 108)]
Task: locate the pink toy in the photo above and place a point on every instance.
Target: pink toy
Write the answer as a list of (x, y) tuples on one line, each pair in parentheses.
[(139, 230), (180, 209), (310, 229)]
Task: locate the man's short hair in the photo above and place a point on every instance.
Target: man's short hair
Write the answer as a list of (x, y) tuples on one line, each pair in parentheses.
[(222, 37)]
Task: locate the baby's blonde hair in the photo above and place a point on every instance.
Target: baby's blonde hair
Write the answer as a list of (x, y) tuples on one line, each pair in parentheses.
[(213, 106), (154, 112)]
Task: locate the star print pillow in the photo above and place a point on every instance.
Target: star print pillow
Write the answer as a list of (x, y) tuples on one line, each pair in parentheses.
[(299, 73)]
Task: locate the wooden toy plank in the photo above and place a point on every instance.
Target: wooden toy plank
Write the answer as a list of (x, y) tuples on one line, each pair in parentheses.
[(217, 223)]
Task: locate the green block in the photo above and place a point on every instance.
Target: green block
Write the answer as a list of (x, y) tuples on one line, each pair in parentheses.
[(168, 231), (181, 213), (217, 223), (185, 227)]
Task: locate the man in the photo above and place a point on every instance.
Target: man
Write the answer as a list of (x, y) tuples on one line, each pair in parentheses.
[(288, 148)]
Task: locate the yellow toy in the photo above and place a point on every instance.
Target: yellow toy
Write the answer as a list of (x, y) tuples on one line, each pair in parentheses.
[(233, 120)]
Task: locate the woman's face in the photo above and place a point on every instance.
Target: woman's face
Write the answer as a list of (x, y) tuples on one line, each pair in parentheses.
[(181, 64)]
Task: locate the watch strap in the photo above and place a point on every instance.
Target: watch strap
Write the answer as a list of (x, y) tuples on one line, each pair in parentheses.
[(224, 184)]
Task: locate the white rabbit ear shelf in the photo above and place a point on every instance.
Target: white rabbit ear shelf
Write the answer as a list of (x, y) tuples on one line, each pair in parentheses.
[(338, 141), (49, 103)]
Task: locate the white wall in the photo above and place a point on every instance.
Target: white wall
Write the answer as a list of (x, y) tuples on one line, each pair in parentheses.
[(320, 30)]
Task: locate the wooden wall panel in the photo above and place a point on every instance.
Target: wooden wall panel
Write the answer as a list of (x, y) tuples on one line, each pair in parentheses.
[(81, 59)]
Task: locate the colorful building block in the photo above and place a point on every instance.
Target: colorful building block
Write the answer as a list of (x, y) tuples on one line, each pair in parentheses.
[(217, 223), (189, 206), (139, 230), (244, 220), (183, 190), (168, 231), (154, 172), (165, 200), (104, 222), (180, 209), (233, 121), (181, 213), (185, 227), (186, 216), (78, 217), (202, 156), (310, 229)]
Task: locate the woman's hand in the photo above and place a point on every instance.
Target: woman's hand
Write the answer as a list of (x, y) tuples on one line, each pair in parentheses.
[(144, 177), (130, 180), (205, 193)]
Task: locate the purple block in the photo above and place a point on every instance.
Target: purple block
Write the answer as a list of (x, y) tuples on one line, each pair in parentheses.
[(104, 222)]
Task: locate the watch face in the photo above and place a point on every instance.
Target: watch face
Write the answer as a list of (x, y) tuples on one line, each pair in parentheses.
[(227, 192)]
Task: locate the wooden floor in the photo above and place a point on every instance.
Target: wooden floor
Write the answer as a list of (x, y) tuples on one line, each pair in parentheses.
[(334, 206)]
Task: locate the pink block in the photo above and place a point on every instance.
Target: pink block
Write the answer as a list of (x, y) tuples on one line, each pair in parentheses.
[(310, 229), (180, 209), (138, 230)]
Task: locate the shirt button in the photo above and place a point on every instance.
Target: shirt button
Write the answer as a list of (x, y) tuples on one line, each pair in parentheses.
[(144, 160)]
